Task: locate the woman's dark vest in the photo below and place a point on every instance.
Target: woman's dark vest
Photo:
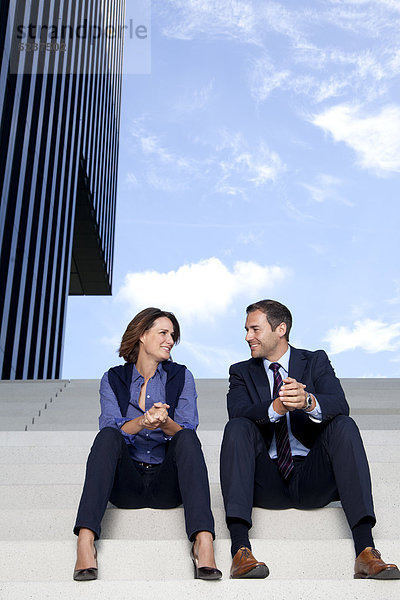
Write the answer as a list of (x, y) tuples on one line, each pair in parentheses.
[(120, 378)]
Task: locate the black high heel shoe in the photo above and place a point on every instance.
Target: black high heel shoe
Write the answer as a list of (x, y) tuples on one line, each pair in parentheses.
[(209, 573), (87, 574)]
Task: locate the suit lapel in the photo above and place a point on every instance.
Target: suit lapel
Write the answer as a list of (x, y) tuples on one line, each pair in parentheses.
[(260, 379), (297, 364)]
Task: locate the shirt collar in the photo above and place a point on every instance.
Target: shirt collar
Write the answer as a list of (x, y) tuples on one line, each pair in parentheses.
[(283, 361), (136, 375)]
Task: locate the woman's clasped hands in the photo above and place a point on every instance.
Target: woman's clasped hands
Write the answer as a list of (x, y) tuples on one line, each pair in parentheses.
[(156, 416)]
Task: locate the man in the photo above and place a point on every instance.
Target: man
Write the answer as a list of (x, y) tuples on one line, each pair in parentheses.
[(290, 443)]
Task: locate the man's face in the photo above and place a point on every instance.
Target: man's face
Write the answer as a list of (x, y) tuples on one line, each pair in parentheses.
[(263, 342)]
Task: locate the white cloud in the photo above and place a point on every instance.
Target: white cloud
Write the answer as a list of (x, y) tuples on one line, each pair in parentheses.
[(308, 74), (195, 99), (239, 165), (131, 180), (392, 4), (251, 238), (326, 187), (325, 66), (373, 17), (396, 298), (246, 21), (190, 19), (164, 169), (375, 138), (230, 166), (151, 145), (112, 341), (265, 78), (200, 290), (373, 376), (319, 249), (297, 214), (215, 359), (258, 167), (323, 73), (374, 23), (165, 182), (368, 334)]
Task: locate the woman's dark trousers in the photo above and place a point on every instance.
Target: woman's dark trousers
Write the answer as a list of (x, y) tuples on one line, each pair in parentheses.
[(112, 475)]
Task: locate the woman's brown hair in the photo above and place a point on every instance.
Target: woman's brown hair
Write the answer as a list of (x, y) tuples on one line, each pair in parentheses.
[(130, 343)]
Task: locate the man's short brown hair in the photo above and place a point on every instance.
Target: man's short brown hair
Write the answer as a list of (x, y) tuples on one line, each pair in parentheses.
[(275, 312)]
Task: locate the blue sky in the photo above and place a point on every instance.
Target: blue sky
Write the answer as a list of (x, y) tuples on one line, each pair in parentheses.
[(260, 158)]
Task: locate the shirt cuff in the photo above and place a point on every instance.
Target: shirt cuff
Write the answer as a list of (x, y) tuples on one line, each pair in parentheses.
[(316, 413), (187, 425), (128, 436), (168, 438), (273, 415)]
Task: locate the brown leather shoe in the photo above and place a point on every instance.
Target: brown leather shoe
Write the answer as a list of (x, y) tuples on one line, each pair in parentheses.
[(245, 566), (369, 565)]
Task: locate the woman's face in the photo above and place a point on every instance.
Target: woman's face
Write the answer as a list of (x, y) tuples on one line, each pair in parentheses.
[(157, 342)]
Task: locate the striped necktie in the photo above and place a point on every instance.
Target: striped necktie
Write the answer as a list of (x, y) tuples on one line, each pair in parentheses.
[(284, 454)]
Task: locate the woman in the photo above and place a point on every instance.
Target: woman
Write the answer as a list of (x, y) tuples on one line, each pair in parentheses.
[(147, 453)]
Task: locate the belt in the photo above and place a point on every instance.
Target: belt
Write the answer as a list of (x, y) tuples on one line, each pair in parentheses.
[(147, 465)]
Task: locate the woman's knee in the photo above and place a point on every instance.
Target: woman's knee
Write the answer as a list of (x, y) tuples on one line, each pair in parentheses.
[(108, 437), (186, 438)]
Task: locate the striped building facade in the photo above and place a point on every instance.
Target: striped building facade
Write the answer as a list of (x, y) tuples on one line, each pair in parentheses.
[(60, 89)]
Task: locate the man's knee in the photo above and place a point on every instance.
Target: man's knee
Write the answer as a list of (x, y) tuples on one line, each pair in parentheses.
[(343, 424), (238, 426), (240, 430), (341, 429)]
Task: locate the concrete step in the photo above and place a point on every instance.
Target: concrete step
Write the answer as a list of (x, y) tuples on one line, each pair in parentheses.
[(388, 422), (24, 401), (20, 439), (73, 401), (66, 425), (93, 424), (42, 389), (384, 422), (372, 437), (144, 553), (150, 560), (383, 474), (273, 589), (33, 520), (57, 524), (46, 455), (371, 386), (80, 397)]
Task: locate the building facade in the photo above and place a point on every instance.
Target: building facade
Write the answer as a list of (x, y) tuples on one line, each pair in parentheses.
[(60, 89)]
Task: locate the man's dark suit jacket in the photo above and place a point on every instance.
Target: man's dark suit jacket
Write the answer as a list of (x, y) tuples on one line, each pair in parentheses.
[(250, 395)]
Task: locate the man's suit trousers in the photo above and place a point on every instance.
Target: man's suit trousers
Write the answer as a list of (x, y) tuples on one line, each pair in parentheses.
[(335, 468), (112, 475)]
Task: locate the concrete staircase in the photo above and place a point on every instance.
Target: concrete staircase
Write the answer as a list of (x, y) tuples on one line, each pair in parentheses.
[(46, 432)]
